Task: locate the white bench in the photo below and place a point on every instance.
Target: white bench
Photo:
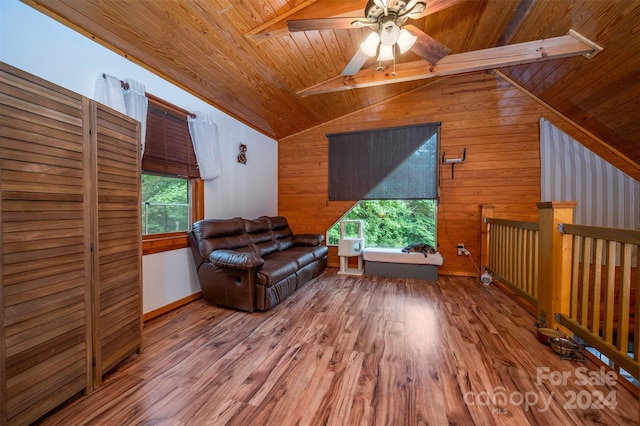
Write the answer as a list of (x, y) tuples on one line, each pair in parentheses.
[(393, 262)]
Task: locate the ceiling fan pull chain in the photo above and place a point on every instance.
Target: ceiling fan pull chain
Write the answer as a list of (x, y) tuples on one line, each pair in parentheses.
[(393, 73)]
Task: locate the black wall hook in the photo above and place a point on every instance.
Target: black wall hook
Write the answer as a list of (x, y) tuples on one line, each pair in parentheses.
[(453, 161)]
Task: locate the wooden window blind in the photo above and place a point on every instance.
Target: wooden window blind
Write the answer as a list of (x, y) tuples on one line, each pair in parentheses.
[(168, 148)]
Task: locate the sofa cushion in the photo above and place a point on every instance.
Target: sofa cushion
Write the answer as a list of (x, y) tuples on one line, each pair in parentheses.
[(301, 256), (308, 239), (261, 236), (258, 225), (275, 270), (212, 228), (281, 231), (213, 234), (316, 252)]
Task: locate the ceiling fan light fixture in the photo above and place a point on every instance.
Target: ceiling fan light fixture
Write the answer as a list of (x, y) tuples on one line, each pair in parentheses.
[(389, 33), (384, 4), (386, 53), (370, 46), (406, 40)]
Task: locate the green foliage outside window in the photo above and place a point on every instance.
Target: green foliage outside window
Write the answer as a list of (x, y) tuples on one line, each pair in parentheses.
[(165, 204), (391, 223)]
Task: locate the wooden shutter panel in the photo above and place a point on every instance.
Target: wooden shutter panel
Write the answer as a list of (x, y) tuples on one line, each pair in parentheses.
[(117, 279), (45, 258)]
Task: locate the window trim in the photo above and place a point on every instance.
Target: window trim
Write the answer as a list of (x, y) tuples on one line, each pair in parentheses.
[(158, 243)]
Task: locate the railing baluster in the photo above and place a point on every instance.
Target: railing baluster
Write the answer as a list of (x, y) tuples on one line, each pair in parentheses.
[(597, 287), (518, 257), (575, 275), (636, 329), (584, 281), (535, 265), (609, 294), (624, 299)]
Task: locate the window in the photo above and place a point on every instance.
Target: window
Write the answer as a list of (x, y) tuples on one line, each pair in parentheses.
[(165, 204), (391, 223), (172, 191), (394, 174)]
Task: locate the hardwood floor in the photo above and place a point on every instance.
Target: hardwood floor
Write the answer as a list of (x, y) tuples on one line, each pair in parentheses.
[(348, 350)]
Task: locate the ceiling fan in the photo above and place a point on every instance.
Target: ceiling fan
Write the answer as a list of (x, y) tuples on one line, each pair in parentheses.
[(389, 34)]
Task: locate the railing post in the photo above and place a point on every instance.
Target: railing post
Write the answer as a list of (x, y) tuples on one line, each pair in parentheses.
[(554, 261), (486, 212)]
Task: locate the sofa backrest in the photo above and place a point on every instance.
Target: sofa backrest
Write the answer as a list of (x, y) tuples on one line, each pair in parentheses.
[(281, 231), (214, 234), (262, 236)]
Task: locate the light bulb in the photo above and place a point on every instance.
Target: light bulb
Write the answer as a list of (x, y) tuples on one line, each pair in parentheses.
[(386, 53), (370, 46), (389, 33), (406, 40)]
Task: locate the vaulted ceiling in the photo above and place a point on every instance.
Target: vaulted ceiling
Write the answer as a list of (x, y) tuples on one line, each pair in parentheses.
[(239, 56)]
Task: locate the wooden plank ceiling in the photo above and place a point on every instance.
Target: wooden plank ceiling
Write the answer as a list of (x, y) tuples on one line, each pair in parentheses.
[(205, 47)]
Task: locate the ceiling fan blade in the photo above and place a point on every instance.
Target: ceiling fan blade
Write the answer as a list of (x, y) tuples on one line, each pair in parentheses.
[(355, 63), (434, 6), (323, 24), (307, 9), (565, 46), (428, 48)]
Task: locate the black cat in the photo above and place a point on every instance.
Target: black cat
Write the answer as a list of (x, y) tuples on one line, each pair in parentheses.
[(426, 249)]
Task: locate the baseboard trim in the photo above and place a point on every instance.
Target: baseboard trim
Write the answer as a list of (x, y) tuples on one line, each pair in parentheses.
[(171, 306)]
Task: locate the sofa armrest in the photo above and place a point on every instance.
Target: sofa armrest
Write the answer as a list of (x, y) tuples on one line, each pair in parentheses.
[(195, 251), (236, 260), (308, 239)]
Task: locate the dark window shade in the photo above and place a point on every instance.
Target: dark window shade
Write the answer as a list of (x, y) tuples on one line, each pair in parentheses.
[(168, 148), (386, 164)]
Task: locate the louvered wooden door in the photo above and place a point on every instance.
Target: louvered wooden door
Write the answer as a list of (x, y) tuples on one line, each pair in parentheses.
[(117, 239), (45, 341)]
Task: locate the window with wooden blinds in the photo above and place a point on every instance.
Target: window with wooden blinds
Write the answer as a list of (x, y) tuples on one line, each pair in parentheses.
[(168, 148)]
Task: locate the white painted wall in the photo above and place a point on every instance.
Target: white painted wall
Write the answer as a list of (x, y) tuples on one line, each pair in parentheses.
[(37, 44)]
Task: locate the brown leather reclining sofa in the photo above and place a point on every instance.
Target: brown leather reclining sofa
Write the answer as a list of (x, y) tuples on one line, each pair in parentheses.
[(254, 264)]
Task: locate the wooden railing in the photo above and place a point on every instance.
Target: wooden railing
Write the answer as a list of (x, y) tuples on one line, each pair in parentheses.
[(604, 292), (580, 278), (513, 256)]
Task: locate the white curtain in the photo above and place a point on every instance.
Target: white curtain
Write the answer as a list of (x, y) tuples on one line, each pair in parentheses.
[(136, 102), (204, 135), (606, 196), (109, 92), (131, 101)]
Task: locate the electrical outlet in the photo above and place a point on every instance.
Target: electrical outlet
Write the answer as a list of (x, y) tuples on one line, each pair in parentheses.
[(460, 249)]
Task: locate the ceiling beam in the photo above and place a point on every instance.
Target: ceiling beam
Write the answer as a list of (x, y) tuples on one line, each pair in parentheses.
[(565, 46), (521, 13)]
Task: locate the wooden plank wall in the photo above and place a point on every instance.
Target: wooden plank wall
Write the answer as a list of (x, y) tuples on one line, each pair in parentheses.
[(496, 122)]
